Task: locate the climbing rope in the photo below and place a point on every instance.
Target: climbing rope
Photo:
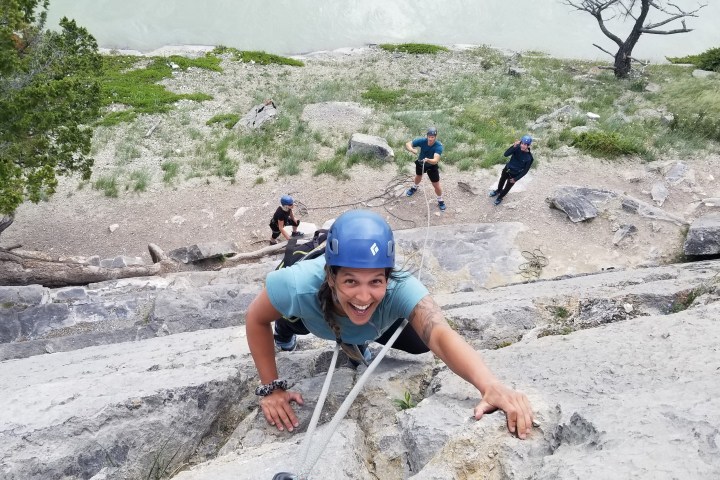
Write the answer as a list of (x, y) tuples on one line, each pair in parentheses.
[(309, 456), (536, 261)]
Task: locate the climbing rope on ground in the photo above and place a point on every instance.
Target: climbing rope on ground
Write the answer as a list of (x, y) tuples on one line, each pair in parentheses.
[(387, 197), (536, 261)]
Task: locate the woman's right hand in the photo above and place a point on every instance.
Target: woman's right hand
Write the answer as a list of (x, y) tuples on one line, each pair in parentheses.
[(277, 410)]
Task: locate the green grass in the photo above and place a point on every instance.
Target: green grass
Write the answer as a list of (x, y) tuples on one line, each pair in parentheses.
[(261, 58), (139, 180), (413, 48), (108, 184), (335, 167), (137, 87), (382, 96), (170, 171), (227, 119)]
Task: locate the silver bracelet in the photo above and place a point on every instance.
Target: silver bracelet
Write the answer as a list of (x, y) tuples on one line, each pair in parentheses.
[(267, 389)]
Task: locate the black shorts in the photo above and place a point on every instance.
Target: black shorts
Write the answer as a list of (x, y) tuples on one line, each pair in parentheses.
[(433, 172), (276, 228)]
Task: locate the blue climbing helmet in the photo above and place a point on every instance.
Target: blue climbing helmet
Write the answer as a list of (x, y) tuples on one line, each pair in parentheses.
[(526, 139), (286, 200), (360, 239), (432, 131)]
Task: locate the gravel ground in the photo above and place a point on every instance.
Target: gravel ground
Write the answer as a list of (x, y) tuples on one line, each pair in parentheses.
[(76, 220)]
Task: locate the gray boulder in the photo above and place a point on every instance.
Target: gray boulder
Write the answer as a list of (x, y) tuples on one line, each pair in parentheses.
[(370, 145), (579, 203), (703, 237), (259, 114)]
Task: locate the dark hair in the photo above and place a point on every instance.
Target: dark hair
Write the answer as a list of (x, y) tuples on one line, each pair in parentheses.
[(326, 297)]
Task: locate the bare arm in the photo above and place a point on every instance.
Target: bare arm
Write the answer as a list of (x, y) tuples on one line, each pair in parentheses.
[(428, 321), (434, 160), (281, 226), (276, 406), (409, 147)]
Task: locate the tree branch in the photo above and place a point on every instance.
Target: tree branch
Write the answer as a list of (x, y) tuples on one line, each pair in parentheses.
[(598, 46)]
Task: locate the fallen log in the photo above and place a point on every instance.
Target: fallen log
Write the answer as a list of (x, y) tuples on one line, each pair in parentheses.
[(28, 268), (254, 255)]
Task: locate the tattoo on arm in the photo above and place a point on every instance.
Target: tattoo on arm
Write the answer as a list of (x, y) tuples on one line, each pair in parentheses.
[(426, 316)]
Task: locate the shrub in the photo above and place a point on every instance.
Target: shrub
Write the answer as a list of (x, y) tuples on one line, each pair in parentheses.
[(171, 170), (414, 48), (607, 144), (228, 119), (708, 60)]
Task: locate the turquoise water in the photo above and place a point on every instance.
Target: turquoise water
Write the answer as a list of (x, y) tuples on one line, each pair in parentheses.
[(299, 26)]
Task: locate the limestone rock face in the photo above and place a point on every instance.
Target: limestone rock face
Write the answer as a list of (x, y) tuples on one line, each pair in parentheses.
[(148, 377)]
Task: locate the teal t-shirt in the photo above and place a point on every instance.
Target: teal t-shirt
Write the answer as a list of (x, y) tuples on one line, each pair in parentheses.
[(426, 151), (293, 293)]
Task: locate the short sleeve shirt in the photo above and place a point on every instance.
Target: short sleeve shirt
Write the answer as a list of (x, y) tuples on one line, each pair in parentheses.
[(293, 293), (427, 151)]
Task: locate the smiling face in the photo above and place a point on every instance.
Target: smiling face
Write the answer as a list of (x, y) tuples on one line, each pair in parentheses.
[(524, 147), (358, 292)]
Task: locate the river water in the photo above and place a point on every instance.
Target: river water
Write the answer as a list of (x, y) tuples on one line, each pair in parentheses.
[(298, 26)]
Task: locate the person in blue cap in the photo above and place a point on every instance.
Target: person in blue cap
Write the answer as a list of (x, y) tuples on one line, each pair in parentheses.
[(354, 295), (284, 216), (428, 150), (521, 159)]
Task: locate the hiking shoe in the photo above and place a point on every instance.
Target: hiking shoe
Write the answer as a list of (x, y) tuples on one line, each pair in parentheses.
[(297, 234), (493, 193), (441, 205), (273, 242), (288, 346), (411, 191), (498, 200), (353, 352)]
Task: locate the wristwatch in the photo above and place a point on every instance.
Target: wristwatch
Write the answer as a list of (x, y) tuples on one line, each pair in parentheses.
[(267, 389)]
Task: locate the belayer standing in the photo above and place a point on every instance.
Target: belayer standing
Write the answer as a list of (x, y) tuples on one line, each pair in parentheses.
[(284, 216), (429, 153), (353, 294), (520, 160)]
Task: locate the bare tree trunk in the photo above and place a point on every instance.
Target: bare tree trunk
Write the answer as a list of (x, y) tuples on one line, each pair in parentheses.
[(6, 221), (27, 268)]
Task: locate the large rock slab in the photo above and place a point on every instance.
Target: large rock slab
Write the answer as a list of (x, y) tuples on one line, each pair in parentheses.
[(466, 257), (345, 117), (703, 237), (126, 406), (579, 203)]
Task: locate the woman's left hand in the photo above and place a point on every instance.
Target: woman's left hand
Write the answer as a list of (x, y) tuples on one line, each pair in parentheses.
[(515, 405)]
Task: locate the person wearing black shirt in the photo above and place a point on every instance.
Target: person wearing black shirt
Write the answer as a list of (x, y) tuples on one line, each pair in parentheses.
[(520, 160), (284, 216)]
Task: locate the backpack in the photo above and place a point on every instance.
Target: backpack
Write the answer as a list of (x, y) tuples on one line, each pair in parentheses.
[(297, 252)]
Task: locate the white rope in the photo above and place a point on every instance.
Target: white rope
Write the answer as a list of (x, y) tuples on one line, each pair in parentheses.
[(308, 460), (305, 447), (307, 464)]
